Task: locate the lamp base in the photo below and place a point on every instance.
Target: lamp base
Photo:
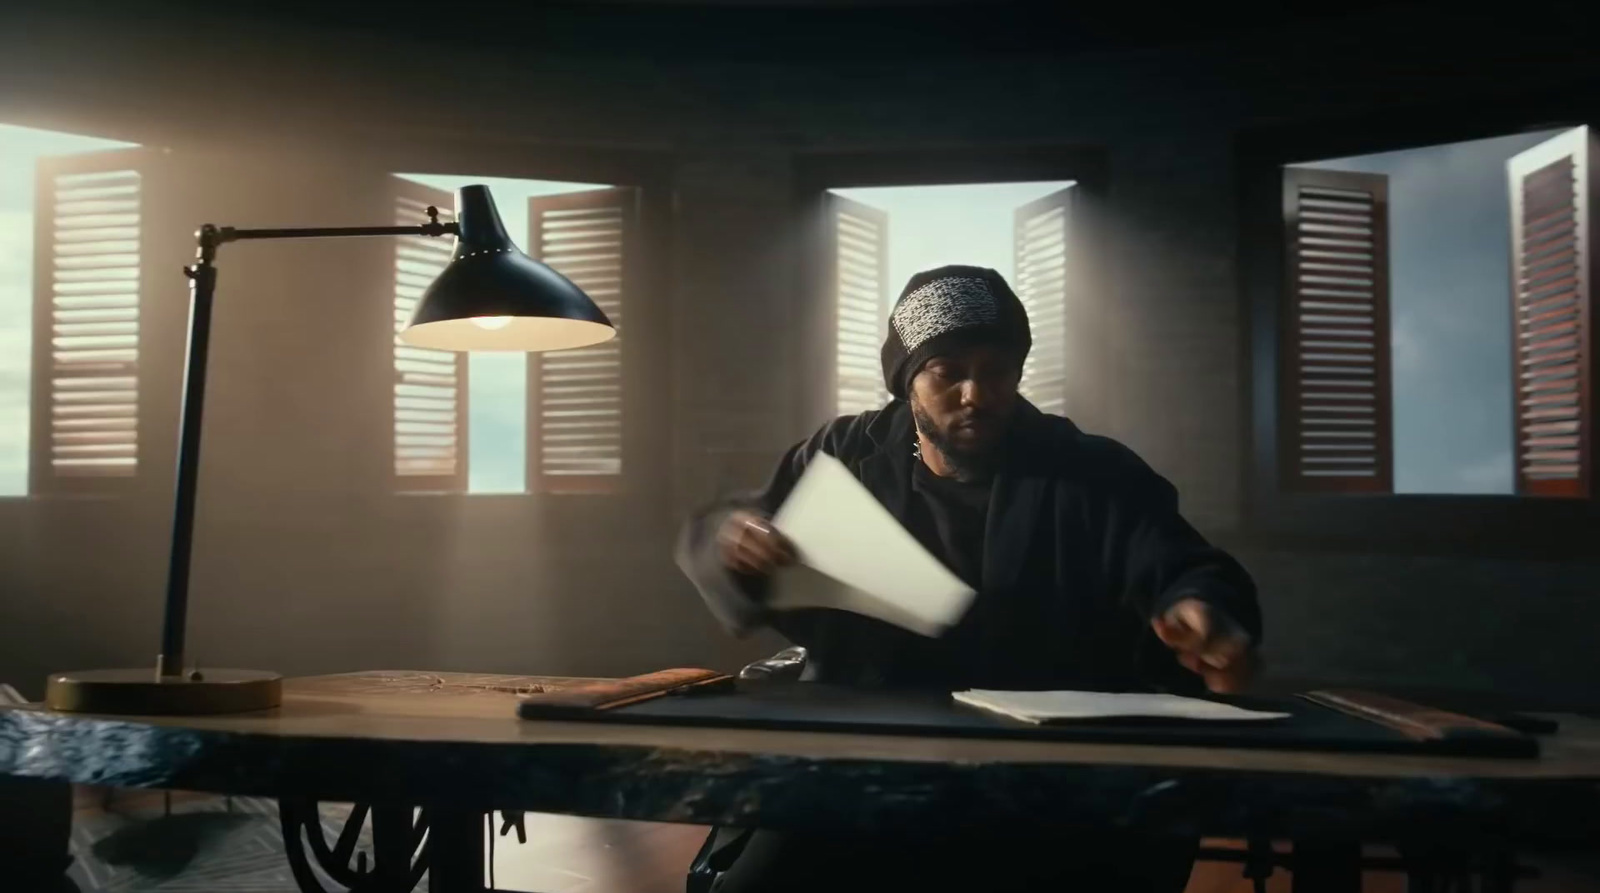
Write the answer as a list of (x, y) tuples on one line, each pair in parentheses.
[(142, 692)]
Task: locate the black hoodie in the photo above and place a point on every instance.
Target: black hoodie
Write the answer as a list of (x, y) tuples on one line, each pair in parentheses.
[(1083, 546)]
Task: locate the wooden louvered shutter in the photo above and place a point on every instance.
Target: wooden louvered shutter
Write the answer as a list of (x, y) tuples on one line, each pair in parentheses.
[(575, 397), (430, 386), (1335, 389), (1040, 231), (90, 234), (1552, 296), (861, 311)]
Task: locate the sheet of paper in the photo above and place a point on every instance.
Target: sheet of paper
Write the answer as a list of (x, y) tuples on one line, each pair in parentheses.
[(1057, 706), (854, 556)]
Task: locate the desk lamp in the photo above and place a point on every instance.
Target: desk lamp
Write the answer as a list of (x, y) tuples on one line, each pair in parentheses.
[(490, 296)]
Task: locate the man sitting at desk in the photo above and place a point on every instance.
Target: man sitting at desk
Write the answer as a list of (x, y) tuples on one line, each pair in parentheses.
[(1087, 576)]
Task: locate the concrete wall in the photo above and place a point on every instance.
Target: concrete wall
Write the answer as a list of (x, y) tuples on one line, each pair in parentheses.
[(333, 572)]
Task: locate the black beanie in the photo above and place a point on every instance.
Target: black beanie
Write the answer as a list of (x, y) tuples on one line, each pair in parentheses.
[(941, 307)]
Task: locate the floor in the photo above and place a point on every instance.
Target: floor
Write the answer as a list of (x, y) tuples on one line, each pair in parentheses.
[(142, 841), (148, 841)]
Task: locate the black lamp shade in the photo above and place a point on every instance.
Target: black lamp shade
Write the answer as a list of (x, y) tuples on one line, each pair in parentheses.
[(494, 297)]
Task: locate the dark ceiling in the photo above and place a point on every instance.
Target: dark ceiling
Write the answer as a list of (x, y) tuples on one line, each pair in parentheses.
[(760, 29)]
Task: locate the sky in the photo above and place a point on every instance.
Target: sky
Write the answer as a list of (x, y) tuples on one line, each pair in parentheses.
[(1450, 312), (930, 226), (20, 149), (497, 383)]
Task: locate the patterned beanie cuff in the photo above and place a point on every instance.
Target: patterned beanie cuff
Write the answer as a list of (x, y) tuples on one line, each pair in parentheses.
[(941, 308), (943, 305)]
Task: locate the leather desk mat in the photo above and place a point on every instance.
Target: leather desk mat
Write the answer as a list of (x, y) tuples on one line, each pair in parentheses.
[(825, 708)]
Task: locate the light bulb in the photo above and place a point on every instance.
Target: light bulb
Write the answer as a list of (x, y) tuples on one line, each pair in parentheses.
[(491, 322)]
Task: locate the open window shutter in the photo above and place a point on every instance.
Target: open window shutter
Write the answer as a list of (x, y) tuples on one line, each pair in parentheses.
[(1041, 231), (90, 234), (861, 312), (1336, 429), (575, 398), (1552, 295), (430, 386)]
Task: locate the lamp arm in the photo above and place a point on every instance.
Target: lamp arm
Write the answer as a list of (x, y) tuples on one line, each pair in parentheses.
[(230, 234), (210, 236), (202, 289)]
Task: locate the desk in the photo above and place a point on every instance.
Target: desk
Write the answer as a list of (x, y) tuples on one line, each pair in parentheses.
[(451, 743)]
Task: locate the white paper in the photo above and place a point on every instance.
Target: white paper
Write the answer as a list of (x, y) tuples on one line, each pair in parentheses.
[(1048, 706), (854, 556)]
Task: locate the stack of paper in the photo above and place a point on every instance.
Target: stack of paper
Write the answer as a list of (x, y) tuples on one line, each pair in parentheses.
[(854, 556), (1065, 706)]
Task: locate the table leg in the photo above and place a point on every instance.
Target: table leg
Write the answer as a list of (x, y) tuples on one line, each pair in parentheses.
[(392, 848), (1326, 866), (455, 849), (398, 853)]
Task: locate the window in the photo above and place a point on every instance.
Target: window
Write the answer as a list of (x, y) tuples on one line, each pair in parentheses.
[(1417, 280), (70, 238), (881, 236), (1436, 325), (861, 276), (1336, 407), (1552, 295), (430, 386), (492, 422), (1041, 233), (575, 396)]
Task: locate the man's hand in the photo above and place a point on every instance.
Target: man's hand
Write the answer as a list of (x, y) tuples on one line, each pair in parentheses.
[(750, 545), (1208, 642)]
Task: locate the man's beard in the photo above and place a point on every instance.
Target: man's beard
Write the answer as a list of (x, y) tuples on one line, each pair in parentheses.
[(968, 464)]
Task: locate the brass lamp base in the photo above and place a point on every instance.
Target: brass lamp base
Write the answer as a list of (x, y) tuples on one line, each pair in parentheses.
[(143, 692)]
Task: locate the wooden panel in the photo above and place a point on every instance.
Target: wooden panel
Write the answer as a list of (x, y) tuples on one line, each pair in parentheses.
[(1334, 385), (1041, 233), (430, 386), (575, 408), (1552, 301), (861, 304), (90, 234)]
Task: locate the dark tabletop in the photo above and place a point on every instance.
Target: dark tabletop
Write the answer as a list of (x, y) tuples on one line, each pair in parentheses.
[(808, 706)]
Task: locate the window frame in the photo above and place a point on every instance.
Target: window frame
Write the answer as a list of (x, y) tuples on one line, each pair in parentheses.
[(817, 172), (647, 397), (1023, 218), (1509, 525), (456, 480), (626, 200), (42, 484)]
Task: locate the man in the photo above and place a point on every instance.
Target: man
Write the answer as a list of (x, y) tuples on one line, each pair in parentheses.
[(1087, 576)]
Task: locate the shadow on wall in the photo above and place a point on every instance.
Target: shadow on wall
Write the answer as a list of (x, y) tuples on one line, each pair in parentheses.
[(1519, 629)]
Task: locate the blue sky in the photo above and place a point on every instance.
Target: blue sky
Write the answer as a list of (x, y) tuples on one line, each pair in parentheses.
[(20, 149)]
